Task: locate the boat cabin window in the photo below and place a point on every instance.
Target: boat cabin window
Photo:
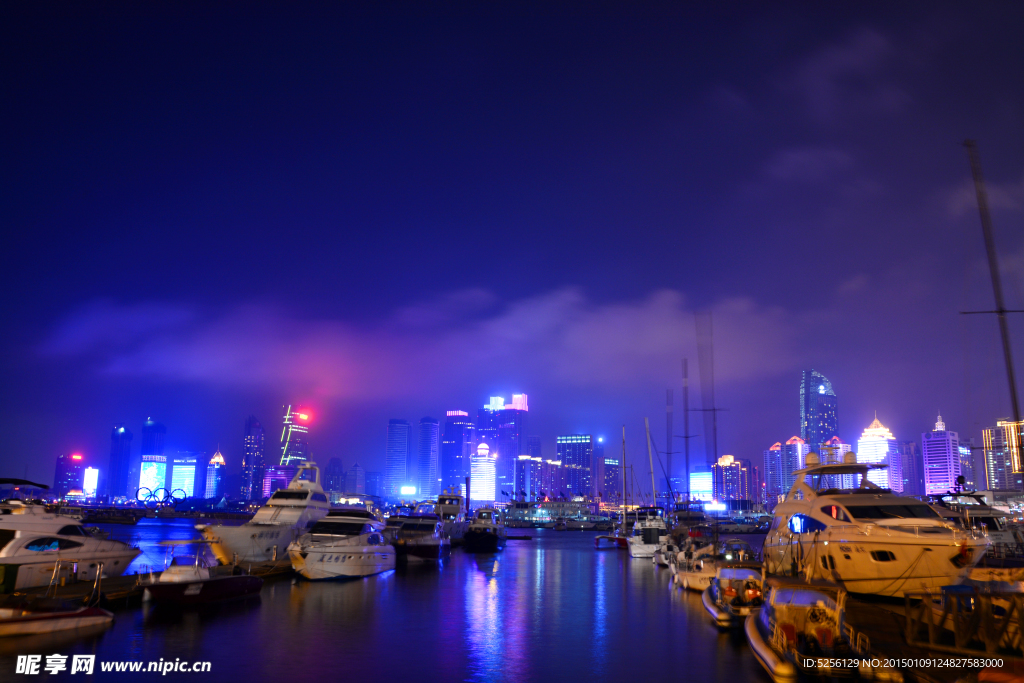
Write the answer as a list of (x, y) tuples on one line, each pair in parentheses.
[(289, 495), (802, 524), (835, 512), (334, 528), (321, 497), (51, 545), (484, 515), (448, 501), (358, 514), (991, 523), (891, 511), (71, 530)]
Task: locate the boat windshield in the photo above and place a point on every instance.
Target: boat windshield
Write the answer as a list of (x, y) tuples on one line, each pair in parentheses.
[(892, 511), (289, 495), (336, 528), (484, 514)]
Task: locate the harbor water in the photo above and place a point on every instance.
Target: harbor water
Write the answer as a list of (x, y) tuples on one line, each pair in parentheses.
[(549, 609)]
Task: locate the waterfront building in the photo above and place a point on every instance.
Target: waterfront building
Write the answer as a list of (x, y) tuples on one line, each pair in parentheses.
[(68, 474), (818, 415), (375, 484), (334, 476), (186, 472), (215, 475), (279, 477), (117, 479), (1001, 446), (153, 465), (912, 468), (877, 445), (295, 436), (254, 461), (456, 449), (940, 449), (731, 479), (397, 453), (576, 453), (428, 448), (483, 476), (528, 477), (90, 482), (355, 480)]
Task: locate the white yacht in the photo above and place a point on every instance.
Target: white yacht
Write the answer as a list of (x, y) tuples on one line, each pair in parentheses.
[(866, 538), (37, 546), (347, 543), (697, 563), (288, 514), (648, 530)]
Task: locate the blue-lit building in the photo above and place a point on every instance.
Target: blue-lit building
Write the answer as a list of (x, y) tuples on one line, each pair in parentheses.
[(68, 475), (253, 459), (428, 451), (456, 449), (186, 473), (118, 471), (576, 452), (818, 414), (215, 476), (398, 452), (153, 464)]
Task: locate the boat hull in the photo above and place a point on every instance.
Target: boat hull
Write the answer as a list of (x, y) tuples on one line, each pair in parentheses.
[(346, 562), (250, 542), (780, 669), (482, 541), (201, 592), (90, 618), (422, 552), (642, 549)]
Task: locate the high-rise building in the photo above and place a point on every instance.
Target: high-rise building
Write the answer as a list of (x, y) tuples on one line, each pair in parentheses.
[(912, 468), (576, 452), (818, 421), (153, 467), (511, 441), (278, 477), (375, 483), (396, 456), (612, 483), (334, 476), (295, 436), (215, 476), (529, 471), (597, 469), (780, 462), (428, 449), (456, 449), (877, 445), (967, 468), (68, 475), (355, 480), (1001, 446), (940, 449), (552, 479), (483, 477), (117, 479), (731, 479), (254, 461), (185, 469)]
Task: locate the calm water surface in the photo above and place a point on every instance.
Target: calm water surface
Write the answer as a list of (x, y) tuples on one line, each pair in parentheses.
[(550, 609)]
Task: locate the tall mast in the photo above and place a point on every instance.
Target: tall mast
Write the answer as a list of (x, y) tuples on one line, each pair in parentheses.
[(686, 425), (650, 462), (668, 439), (623, 480)]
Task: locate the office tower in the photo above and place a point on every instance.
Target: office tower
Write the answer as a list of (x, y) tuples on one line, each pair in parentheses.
[(215, 476), (912, 468), (278, 477), (967, 468), (529, 472), (153, 467), (552, 479), (818, 421), (456, 449), (295, 436), (355, 480), (940, 449), (780, 462), (612, 482), (731, 479), (68, 475), (1001, 446), (511, 441), (334, 476), (773, 470), (877, 445), (90, 482), (597, 469), (576, 452), (254, 461), (116, 482), (185, 473), (483, 477), (375, 484), (428, 448), (396, 456)]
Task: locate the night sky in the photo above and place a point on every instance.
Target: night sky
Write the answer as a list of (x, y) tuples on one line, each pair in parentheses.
[(392, 210)]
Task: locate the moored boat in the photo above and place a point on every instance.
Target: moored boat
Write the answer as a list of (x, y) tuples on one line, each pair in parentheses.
[(421, 538), (192, 581), (347, 543), (698, 561), (20, 616), (734, 594), (648, 531), (486, 532)]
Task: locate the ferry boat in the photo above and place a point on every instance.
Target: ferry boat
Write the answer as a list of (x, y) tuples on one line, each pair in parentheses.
[(486, 532), (347, 543), (734, 594), (38, 548), (866, 538), (288, 514), (648, 531)]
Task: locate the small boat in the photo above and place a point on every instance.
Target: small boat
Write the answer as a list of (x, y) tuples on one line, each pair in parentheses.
[(579, 524), (647, 532), (347, 543), (560, 525), (192, 581), (611, 541), (486, 532), (21, 617), (734, 594), (421, 538), (800, 624), (698, 561)]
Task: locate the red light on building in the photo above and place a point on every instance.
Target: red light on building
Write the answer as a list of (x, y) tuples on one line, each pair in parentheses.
[(76, 457)]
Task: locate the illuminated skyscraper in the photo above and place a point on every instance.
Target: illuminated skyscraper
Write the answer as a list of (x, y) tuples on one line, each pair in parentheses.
[(428, 447), (456, 449), (597, 468), (1002, 455), (334, 476), (967, 468), (780, 462), (731, 479), (215, 476), (612, 483), (68, 475), (186, 474), (153, 468), (396, 456), (117, 478), (818, 422), (90, 481), (481, 489), (576, 452), (877, 445), (940, 449), (511, 442), (253, 459), (295, 436), (529, 471), (375, 483)]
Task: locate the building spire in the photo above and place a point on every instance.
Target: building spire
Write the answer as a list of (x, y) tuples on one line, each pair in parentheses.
[(940, 426)]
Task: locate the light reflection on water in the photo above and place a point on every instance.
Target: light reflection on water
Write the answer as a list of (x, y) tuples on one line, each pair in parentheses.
[(550, 609)]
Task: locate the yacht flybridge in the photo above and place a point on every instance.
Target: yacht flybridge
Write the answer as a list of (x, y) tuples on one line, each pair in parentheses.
[(866, 537), (288, 514)]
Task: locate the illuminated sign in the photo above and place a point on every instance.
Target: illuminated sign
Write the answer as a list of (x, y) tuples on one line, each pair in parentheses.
[(714, 507), (184, 477), (153, 475), (303, 416), (90, 479), (76, 457), (408, 490)]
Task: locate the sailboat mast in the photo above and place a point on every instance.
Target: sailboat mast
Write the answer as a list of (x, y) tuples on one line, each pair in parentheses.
[(623, 479), (650, 461), (686, 424)]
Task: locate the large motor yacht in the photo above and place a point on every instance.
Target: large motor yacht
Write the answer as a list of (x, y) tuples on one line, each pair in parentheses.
[(486, 533), (866, 538), (288, 514), (37, 547), (347, 543)]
